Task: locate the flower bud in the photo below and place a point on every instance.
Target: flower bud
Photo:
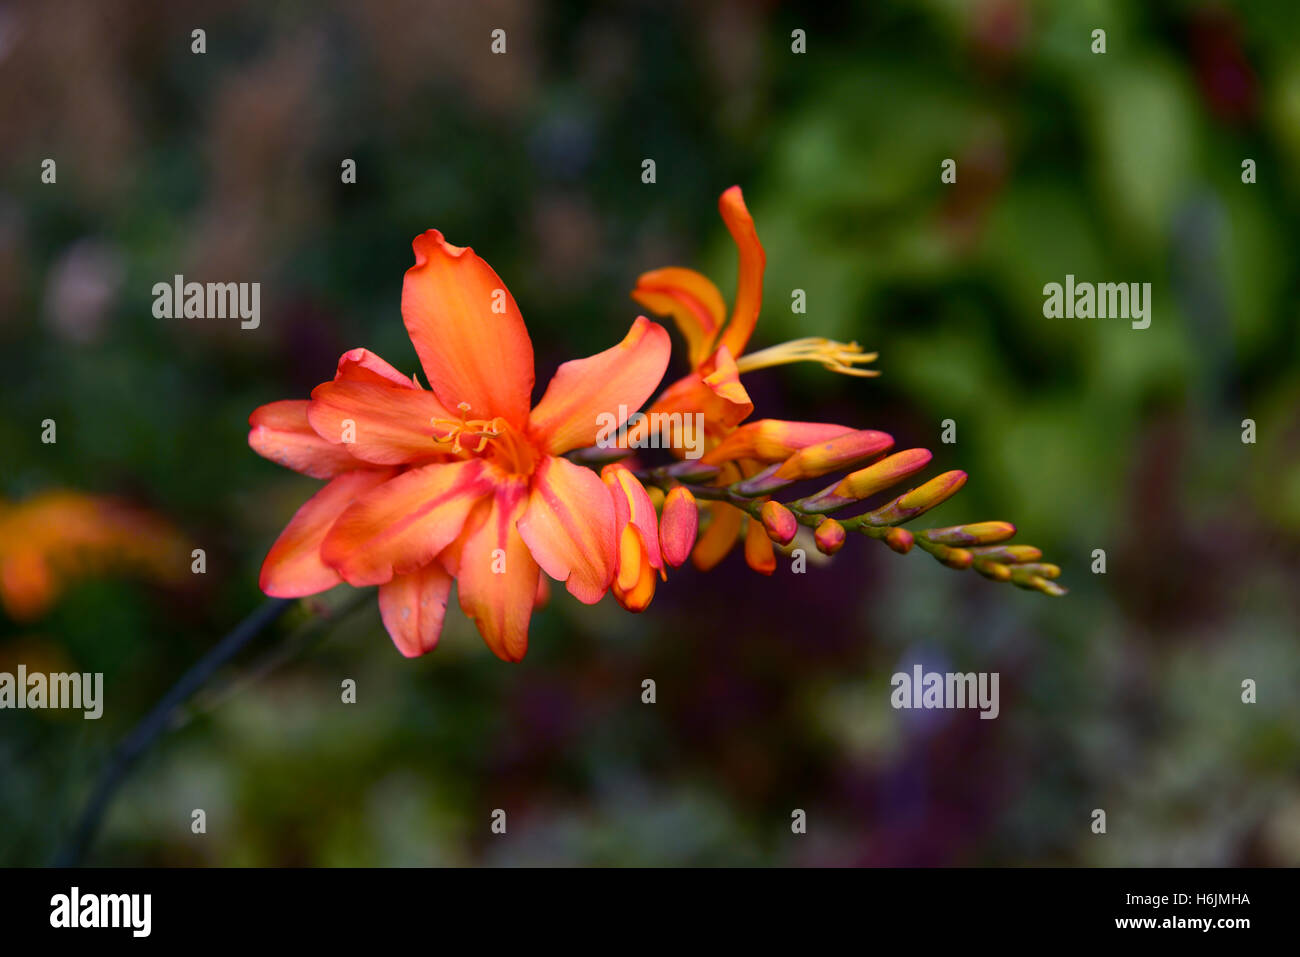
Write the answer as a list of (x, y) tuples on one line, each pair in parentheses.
[(829, 537), (994, 570), (900, 540), (840, 452), (979, 533), (953, 557), (677, 527), (868, 481), (920, 499), (1008, 554), (779, 522)]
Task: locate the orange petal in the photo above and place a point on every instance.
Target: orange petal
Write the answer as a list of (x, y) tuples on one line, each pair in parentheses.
[(385, 423), (719, 537), (280, 432), (634, 585), (590, 398), (362, 365), (758, 549), (677, 527), (496, 576), (772, 440), (569, 527), (294, 567), (718, 395), (467, 331), (749, 284), (400, 526), (633, 509), (413, 607), (691, 299)]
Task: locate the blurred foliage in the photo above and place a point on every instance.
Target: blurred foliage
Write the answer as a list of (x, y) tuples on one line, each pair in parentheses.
[(771, 696)]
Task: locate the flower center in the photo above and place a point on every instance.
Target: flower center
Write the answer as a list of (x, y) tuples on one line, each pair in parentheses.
[(494, 439)]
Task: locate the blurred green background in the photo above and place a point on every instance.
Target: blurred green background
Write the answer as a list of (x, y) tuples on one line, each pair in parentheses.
[(772, 695)]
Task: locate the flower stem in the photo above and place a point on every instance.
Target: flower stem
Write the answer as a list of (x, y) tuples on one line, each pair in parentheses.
[(153, 724)]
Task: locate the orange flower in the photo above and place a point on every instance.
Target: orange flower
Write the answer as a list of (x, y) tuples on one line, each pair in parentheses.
[(53, 538), (716, 348), (461, 480)]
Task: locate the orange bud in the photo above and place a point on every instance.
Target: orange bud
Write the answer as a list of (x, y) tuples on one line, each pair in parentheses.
[(829, 537), (779, 522), (979, 533), (900, 540), (771, 440), (953, 557), (868, 481), (837, 453), (918, 500), (1008, 554), (1024, 579), (994, 570), (677, 527)]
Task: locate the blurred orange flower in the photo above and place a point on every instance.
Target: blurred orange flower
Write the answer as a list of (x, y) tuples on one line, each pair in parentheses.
[(55, 538)]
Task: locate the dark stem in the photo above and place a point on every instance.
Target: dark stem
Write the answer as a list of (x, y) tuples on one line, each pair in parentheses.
[(155, 722)]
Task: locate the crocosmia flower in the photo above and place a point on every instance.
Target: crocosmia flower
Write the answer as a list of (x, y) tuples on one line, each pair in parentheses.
[(716, 349), (464, 480), (745, 464)]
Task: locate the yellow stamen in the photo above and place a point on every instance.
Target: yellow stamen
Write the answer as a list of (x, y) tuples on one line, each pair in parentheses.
[(841, 357), (481, 429)]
